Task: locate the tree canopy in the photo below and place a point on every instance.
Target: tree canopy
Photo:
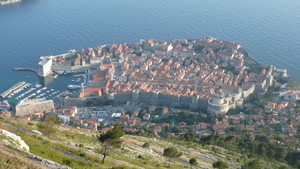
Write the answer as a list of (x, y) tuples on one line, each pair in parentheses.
[(193, 161), (111, 139), (220, 165), (47, 125), (171, 152), (252, 165)]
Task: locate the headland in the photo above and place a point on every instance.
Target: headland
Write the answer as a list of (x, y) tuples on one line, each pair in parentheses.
[(200, 74)]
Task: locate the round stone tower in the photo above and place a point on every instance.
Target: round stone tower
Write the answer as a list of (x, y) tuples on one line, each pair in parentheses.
[(218, 105)]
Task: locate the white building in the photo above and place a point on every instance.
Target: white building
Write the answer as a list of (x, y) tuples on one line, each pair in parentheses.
[(44, 67)]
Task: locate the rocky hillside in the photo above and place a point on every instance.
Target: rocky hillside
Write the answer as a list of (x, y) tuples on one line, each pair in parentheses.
[(76, 148)]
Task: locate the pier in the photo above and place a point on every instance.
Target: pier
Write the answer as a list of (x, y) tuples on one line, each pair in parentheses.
[(26, 69), (11, 89)]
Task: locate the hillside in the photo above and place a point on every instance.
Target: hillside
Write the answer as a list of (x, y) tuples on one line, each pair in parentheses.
[(77, 148)]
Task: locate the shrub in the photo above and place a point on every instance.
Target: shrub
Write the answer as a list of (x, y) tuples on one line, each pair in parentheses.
[(146, 145), (29, 124)]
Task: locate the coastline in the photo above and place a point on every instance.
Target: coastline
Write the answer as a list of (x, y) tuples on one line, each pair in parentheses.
[(7, 2)]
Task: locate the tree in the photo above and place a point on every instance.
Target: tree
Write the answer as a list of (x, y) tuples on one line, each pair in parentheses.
[(146, 145), (188, 137), (111, 139), (220, 165), (261, 149), (264, 139), (280, 154), (170, 153), (193, 161), (47, 125), (293, 159), (252, 165)]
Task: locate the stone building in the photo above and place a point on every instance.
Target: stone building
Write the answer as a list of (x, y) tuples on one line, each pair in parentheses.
[(30, 106)]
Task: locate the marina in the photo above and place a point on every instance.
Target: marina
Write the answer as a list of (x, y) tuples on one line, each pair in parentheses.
[(12, 89), (29, 91), (34, 89)]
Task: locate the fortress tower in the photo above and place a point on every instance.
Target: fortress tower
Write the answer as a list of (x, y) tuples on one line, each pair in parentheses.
[(44, 67), (218, 104)]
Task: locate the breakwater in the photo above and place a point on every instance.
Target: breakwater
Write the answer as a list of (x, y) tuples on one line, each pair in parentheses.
[(11, 89), (25, 69)]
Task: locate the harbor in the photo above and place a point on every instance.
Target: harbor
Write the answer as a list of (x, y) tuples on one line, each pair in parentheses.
[(48, 88), (26, 91), (11, 89)]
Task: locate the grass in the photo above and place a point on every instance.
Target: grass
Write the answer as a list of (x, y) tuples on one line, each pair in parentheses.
[(76, 138), (128, 153), (11, 163), (43, 148)]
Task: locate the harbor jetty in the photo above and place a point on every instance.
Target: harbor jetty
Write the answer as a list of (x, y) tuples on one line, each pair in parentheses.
[(25, 69), (11, 89)]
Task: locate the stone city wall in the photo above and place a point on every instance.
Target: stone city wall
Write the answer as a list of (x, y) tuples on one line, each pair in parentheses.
[(24, 109)]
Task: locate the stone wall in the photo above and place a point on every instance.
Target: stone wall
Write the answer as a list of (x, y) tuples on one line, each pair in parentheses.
[(149, 98), (122, 97), (30, 107), (80, 102)]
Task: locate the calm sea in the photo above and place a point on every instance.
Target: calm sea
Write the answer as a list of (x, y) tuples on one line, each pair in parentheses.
[(268, 29)]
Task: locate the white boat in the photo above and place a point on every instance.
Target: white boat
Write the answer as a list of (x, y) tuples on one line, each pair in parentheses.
[(72, 87)]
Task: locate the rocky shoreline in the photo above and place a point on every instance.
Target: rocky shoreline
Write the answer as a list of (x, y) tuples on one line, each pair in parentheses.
[(6, 2)]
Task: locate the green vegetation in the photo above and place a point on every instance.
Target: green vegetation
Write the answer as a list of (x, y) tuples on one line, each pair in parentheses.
[(45, 149), (255, 99), (171, 153), (252, 165), (101, 102), (111, 139), (14, 162), (260, 148), (293, 158), (253, 65), (193, 162), (220, 165), (146, 145), (134, 152), (46, 126), (185, 116)]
